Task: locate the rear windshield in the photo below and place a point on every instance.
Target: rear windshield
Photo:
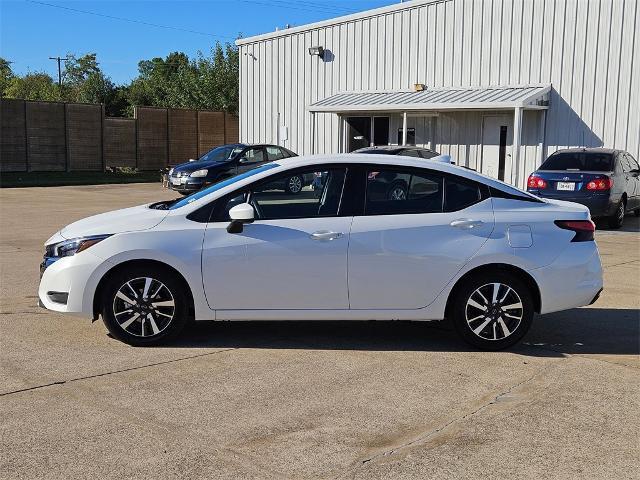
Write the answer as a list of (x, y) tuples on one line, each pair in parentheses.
[(588, 161)]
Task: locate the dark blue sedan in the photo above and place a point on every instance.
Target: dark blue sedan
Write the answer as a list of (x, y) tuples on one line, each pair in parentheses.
[(605, 180)]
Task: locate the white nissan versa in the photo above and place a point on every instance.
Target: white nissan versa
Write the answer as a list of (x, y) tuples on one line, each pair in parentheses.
[(370, 238)]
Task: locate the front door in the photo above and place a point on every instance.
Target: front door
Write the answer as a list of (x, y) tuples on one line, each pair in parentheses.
[(497, 138), (358, 133), (408, 245), (293, 256)]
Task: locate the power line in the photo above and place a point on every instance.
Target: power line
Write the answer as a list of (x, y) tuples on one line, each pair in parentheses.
[(297, 6), (130, 20)]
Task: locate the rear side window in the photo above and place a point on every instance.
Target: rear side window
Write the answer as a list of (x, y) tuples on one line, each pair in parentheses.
[(391, 192), (460, 194), (582, 161)]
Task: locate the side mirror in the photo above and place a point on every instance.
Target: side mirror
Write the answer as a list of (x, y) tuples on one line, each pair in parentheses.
[(243, 160), (240, 214)]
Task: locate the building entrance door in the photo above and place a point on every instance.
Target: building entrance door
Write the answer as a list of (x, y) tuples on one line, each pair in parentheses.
[(497, 138), (358, 133)]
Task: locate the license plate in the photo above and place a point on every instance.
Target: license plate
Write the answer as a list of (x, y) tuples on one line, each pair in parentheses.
[(566, 186), (175, 181)]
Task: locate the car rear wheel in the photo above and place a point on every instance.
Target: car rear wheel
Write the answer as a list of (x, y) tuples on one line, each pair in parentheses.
[(617, 219), (144, 306), (492, 311)]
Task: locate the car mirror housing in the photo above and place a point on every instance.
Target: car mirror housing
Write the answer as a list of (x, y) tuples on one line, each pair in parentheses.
[(243, 160), (240, 214)]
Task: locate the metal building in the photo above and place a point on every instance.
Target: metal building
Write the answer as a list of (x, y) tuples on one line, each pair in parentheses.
[(496, 84)]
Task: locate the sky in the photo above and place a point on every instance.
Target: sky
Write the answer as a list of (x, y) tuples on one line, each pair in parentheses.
[(31, 31)]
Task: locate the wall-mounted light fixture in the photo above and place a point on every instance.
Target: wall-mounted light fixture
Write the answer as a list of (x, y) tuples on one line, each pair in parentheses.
[(319, 51)]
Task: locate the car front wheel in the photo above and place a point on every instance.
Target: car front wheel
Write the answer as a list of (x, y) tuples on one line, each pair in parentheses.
[(144, 306), (492, 311)]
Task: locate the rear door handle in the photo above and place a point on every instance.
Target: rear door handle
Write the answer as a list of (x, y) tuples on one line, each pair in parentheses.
[(325, 235), (466, 223)]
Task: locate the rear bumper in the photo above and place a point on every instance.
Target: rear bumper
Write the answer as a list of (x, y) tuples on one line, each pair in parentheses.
[(598, 205), (573, 280)]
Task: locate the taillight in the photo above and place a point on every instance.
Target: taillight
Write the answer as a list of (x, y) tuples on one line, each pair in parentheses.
[(583, 228), (536, 182), (600, 184)]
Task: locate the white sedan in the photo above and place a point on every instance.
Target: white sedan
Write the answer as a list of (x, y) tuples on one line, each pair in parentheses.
[(371, 238)]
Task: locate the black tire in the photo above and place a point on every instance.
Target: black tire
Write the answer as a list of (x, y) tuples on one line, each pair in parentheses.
[(397, 191), (184, 194), (135, 333), (496, 318), (617, 219), (294, 185)]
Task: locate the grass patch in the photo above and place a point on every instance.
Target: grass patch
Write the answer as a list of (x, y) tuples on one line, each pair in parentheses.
[(52, 179)]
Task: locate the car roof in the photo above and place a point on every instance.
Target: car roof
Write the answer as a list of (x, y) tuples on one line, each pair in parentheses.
[(587, 150), (391, 148), (433, 164)]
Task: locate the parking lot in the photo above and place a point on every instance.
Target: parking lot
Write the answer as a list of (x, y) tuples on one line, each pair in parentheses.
[(309, 399)]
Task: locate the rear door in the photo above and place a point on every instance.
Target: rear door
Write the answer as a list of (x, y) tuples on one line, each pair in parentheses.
[(417, 229)]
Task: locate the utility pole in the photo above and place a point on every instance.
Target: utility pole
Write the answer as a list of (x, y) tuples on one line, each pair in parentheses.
[(59, 69)]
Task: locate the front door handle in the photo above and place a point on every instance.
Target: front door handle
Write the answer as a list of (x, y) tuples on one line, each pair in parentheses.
[(325, 235), (466, 223)]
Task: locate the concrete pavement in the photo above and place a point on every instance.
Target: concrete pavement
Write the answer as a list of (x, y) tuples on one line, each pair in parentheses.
[(308, 399)]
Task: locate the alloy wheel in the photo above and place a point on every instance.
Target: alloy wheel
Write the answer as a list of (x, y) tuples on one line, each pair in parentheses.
[(494, 311), (295, 184), (397, 193), (143, 307)]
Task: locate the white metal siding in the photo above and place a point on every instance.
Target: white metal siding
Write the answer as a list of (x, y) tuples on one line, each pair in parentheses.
[(587, 49)]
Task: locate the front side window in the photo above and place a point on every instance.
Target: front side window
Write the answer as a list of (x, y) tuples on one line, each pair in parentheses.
[(300, 194), (254, 155), (392, 192), (217, 186), (275, 153)]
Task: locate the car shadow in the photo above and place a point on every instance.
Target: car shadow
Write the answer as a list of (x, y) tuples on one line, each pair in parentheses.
[(583, 330)]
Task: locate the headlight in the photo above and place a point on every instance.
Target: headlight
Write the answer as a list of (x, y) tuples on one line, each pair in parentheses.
[(200, 173), (76, 245)]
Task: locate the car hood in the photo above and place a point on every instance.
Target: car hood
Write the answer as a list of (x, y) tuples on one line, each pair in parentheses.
[(126, 220), (193, 166)]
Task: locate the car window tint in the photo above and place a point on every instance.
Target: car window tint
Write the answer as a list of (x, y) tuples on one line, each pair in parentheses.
[(624, 163), (410, 153), (255, 155), (274, 153), (392, 192), (428, 154), (460, 194), (586, 161), (632, 162), (305, 194)]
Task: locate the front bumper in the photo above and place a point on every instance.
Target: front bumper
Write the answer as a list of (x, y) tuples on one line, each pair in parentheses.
[(73, 279), (191, 185)]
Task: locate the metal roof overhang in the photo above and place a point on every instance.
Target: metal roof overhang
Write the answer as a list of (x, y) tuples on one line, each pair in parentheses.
[(438, 99)]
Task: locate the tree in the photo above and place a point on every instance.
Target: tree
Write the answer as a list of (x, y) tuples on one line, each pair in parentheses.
[(6, 75), (33, 86)]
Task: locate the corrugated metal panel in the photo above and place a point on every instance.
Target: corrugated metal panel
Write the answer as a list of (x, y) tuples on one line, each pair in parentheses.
[(588, 50), (442, 99)]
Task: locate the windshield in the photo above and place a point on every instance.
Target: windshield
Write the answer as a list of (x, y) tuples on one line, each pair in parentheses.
[(220, 154), (217, 186), (588, 161)]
